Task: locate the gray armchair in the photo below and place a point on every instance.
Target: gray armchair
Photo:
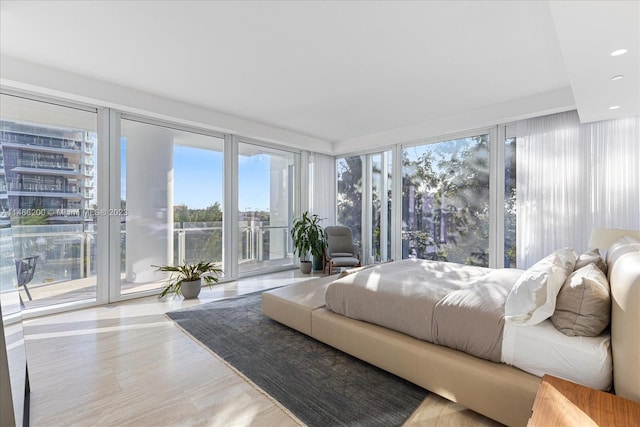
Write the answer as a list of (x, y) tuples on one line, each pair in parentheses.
[(340, 250)]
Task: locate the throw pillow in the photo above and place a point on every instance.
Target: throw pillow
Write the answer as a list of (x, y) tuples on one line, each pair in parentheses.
[(533, 297), (583, 306), (591, 256)]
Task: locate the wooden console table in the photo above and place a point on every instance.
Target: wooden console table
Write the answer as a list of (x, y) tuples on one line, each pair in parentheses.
[(563, 403)]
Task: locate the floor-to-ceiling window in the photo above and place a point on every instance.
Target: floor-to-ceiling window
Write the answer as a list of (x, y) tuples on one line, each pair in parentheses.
[(50, 167), (445, 200), (381, 192), (266, 203), (364, 202), (349, 172), (160, 200), (510, 202), (171, 195)]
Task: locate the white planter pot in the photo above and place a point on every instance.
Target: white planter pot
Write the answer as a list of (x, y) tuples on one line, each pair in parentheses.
[(305, 267), (191, 289)]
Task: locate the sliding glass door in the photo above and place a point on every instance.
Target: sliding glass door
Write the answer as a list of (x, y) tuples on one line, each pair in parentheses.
[(50, 165), (350, 190), (171, 197), (266, 189), (380, 169), (364, 202)]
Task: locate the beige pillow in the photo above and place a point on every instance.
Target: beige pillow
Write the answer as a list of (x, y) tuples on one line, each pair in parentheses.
[(591, 256), (583, 305)]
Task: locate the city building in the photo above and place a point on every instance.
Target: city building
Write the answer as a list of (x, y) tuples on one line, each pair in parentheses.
[(49, 171)]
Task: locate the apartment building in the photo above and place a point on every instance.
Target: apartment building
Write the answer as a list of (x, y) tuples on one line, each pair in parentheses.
[(49, 171)]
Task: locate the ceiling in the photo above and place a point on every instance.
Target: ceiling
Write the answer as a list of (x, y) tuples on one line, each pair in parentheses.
[(340, 71)]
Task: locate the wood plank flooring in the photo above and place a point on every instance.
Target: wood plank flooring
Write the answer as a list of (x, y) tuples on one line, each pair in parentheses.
[(128, 365)]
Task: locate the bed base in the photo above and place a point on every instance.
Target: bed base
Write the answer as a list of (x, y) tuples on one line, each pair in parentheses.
[(498, 391)]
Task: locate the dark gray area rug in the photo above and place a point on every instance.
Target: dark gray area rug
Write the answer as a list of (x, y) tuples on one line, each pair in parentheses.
[(322, 386)]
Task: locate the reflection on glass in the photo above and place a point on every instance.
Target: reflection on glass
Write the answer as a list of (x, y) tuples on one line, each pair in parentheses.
[(265, 198), (349, 171), (12, 344), (171, 201), (445, 199), (510, 203), (49, 156), (381, 206)]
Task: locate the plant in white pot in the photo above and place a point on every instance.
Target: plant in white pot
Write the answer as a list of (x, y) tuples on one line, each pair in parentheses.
[(186, 279), (308, 238)]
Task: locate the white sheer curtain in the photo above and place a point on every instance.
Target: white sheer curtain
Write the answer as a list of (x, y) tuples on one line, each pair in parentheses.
[(322, 180), (571, 177)]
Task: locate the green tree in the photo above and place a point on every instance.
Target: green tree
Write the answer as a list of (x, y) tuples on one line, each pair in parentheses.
[(445, 200), (510, 203), (202, 230), (350, 194)]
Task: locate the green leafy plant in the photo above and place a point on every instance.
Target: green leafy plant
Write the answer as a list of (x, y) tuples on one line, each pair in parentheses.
[(188, 272), (308, 236)]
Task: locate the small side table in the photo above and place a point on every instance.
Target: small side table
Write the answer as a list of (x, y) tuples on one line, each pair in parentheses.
[(563, 403)]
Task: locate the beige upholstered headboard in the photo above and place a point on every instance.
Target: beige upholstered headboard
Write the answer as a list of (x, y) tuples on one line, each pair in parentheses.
[(602, 238), (623, 262)]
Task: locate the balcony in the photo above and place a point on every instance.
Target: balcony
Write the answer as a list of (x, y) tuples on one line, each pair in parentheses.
[(42, 170), (40, 143), (43, 192), (66, 271)]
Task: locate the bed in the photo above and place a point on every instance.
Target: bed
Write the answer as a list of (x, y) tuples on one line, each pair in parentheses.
[(497, 375)]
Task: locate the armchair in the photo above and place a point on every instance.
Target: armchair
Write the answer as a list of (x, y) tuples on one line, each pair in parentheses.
[(340, 250)]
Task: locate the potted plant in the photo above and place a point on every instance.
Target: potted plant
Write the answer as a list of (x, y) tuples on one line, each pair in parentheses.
[(318, 250), (186, 279), (308, 238)]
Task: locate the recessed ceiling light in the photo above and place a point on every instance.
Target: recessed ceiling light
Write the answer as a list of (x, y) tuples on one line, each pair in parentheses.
[(614, 107), (618, 77), (618, 52)]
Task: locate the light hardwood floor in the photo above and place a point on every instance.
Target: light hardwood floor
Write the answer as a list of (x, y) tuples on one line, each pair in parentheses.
[(128, 365)]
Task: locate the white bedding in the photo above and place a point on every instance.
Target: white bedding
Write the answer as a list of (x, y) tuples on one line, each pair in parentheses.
[(542, 349), (410, 295)]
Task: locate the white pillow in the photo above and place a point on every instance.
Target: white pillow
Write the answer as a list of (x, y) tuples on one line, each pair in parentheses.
[(568, 259), (533, 297)]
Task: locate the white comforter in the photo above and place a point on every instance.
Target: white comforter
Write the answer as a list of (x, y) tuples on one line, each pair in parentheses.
[(462, 307), (448, 304)]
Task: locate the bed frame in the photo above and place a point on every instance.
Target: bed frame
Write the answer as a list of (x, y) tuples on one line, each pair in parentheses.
[(498, 391)]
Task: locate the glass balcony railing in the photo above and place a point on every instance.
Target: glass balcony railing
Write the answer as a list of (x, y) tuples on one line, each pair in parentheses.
[(68, 254), (42, 188), (41, 140), (47, 165)]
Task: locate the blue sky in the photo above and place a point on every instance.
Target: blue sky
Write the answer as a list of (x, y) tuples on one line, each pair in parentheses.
[(197, 179), (197, 176)]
